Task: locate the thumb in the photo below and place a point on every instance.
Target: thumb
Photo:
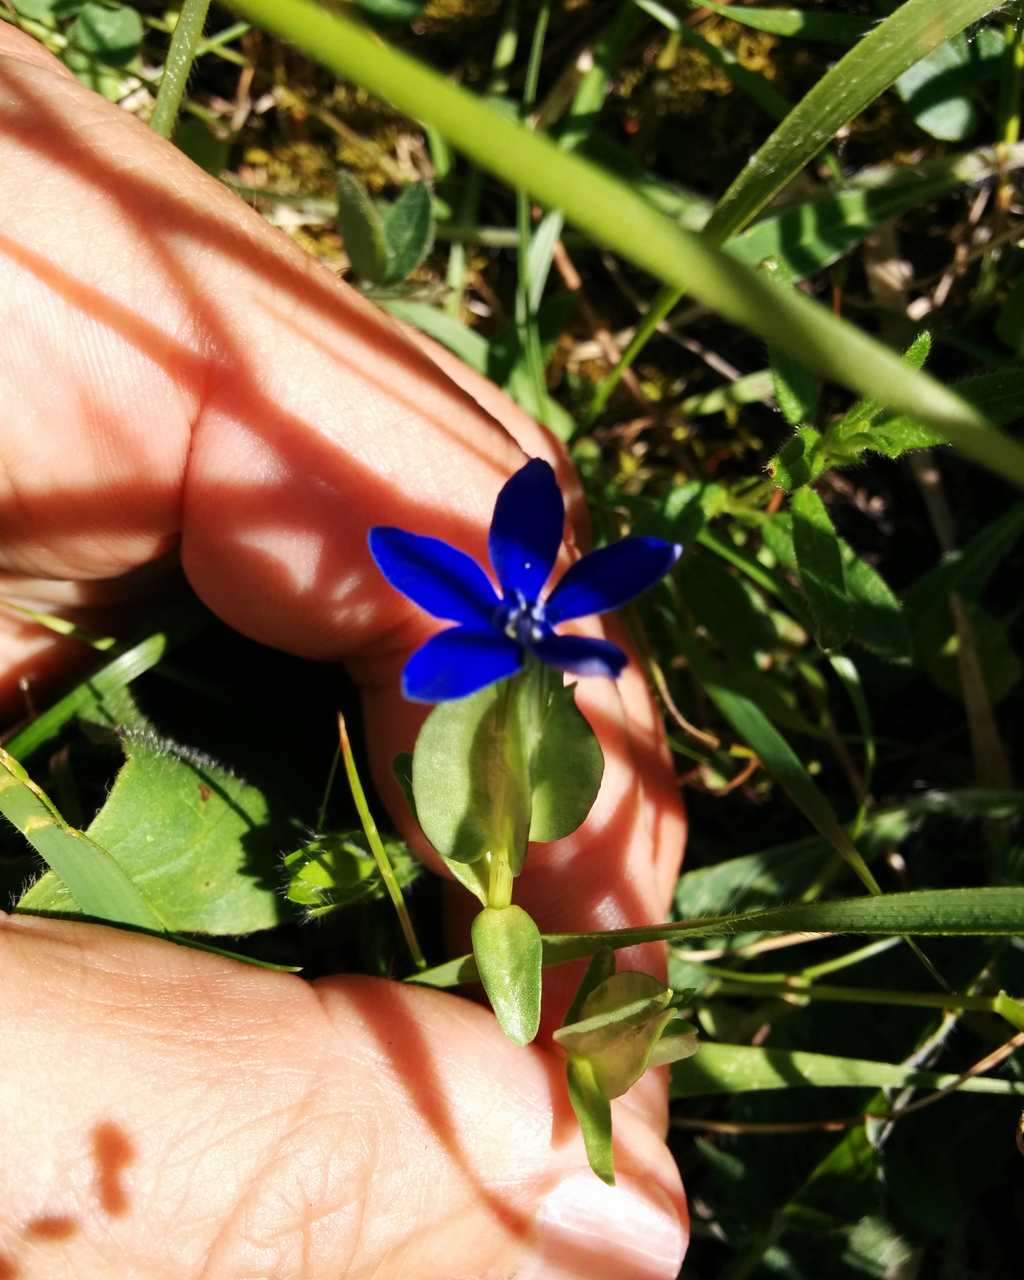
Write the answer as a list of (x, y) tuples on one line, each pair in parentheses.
[(170, 1112)]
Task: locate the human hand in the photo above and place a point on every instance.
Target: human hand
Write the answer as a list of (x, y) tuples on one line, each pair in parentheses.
[(178, 382)]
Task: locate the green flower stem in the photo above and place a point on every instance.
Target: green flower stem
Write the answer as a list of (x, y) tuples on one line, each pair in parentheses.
[(508, 729), (373, 839), (734, 985), (615, 214), (499, 884), (185, 42)]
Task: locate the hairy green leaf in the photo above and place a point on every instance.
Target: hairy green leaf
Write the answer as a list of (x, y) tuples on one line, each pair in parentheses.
[(194, 838), (821, 568)]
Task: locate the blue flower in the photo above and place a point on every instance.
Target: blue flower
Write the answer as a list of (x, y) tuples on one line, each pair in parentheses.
[(494, 636)]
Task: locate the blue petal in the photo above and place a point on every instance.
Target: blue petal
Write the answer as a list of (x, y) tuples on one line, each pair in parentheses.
[(526, 531), (459, 661), (607, 578), (437, 577), (581, 655)]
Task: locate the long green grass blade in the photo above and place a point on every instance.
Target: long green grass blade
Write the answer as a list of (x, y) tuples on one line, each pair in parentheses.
[(109, 679), (856, 80), (739, 1068), (614, 215), (984, 912)]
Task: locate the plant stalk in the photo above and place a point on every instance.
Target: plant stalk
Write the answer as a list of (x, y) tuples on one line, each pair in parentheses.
[(373, 839), (185, 42)]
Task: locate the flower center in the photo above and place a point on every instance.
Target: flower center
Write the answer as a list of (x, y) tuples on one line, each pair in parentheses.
[(520, 619)]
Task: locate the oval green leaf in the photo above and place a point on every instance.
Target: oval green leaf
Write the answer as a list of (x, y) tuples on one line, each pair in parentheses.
[(508, 952)]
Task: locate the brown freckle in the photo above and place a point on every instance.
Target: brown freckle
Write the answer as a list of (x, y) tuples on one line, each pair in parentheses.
[(111, 1150), (52, 1226), (204, 792), (8, 1271)]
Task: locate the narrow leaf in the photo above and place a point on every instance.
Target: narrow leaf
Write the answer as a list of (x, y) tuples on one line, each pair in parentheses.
[(735, 1068), (98, 885), (829, 28), (821, 568), (867, 70), (980, 912), (616, 215)]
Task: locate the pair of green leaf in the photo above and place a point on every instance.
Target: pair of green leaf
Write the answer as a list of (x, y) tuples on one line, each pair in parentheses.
[(385, 247), (818, 552), (337, 869), (512, 763), (618, 1026)]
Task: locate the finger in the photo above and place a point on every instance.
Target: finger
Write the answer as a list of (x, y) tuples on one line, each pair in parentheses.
[(166, 1108), (207, 380)]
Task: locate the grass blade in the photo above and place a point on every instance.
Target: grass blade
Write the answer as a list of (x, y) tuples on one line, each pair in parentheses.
[(983, 912), (867, 70), (739, 1068), (615, 215), (97, 882)]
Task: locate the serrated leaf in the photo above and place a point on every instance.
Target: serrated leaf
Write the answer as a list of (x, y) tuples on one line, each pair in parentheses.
[(859, 431), (508, 953), (800, 460), (796, 387), (409, 231), (878, 620), (338, 869), (821, 568), (362, 230), (999, 395), (734, 1068), (194, 838)]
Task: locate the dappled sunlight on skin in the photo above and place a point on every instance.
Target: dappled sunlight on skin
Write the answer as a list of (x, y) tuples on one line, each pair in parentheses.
[(242, 399), (374, 1128)]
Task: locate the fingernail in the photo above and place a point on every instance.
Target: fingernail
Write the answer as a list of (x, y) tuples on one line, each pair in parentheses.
[(586, 1229)]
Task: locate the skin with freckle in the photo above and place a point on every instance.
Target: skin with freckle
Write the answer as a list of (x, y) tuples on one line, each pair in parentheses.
[(183, 391)]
